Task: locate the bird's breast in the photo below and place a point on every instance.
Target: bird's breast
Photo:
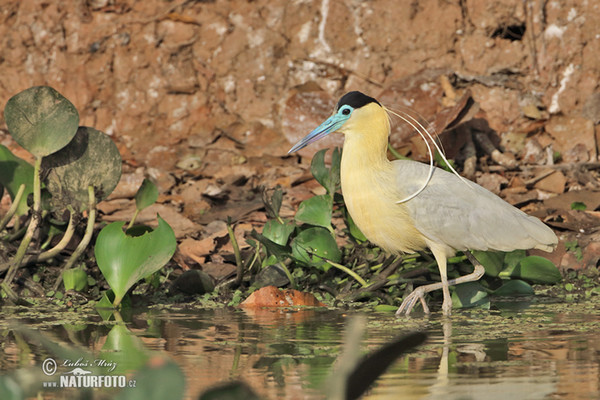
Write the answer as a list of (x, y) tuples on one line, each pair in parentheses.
[(370, 197)]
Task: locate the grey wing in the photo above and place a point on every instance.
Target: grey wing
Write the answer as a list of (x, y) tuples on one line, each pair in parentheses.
[(467, 216)]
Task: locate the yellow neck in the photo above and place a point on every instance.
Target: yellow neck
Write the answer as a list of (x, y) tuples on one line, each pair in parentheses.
[(366, 140)]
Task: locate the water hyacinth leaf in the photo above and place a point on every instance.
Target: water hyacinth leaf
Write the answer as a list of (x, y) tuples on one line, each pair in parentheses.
[(514, 287), (275, 249), (146, 195), (41, 120), (124, 260), (90, 159), (534, 269), (16, 171), (513, 258), (316, 211), (470, 294), (329, 178), (75, 279), (492, 261), (277, 232), (314, 246)]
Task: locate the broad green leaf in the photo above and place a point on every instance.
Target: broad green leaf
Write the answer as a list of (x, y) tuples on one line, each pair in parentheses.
[(41, 120), (316, 211), (146, 195), (578, 205), (15, 171), (91, 158), (514, 287), (124, 260), (279, 251), (318, 168), (513, 258), (470, 294), (492, 261), (277, 232), (313, 246), (534, 269), (329, 178), (74, 279)]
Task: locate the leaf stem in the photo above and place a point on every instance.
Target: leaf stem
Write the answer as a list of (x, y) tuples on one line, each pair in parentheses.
[(347, 270), (53, 252), (238, 256), (395, 153), (135, 214), (33, 224), (288, 274), (89, 231), (13, 207)]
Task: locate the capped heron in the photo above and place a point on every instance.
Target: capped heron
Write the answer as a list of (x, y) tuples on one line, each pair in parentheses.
[(404, 206)]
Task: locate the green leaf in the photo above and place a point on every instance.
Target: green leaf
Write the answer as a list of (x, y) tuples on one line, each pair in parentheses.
[(124, 260), (578, 205), (534, 269), (514, 287), (277, 250), (492, 261), (470, 294), (277, 232), (513, 258), (91, 158), (146, 195), (313, 245), (316, 211), (329, 178), (14, 172), (386, 308), (41, 120), (75, 279)]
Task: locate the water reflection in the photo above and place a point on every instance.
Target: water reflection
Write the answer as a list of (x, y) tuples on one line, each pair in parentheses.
[(537, 352)]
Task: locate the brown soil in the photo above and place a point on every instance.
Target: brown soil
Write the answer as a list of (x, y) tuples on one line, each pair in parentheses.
[(206, 97)]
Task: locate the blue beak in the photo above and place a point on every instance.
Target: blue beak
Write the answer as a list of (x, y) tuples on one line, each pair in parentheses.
[(330, 125)]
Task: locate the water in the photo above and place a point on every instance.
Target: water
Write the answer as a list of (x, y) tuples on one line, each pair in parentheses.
[(520, 351)]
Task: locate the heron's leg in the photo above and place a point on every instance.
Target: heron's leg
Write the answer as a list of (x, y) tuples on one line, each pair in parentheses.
[(419, 293)]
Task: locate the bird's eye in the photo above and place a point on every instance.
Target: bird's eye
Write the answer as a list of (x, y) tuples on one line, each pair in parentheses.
[(346, 110)]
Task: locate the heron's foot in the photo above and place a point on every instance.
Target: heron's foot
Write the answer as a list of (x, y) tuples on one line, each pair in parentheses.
[(411, 300)]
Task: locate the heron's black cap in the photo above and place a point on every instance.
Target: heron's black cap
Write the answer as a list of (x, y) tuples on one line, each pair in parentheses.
[(355, 100)]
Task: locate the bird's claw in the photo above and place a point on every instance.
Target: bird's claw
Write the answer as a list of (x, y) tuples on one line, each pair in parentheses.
[(411, 300)]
